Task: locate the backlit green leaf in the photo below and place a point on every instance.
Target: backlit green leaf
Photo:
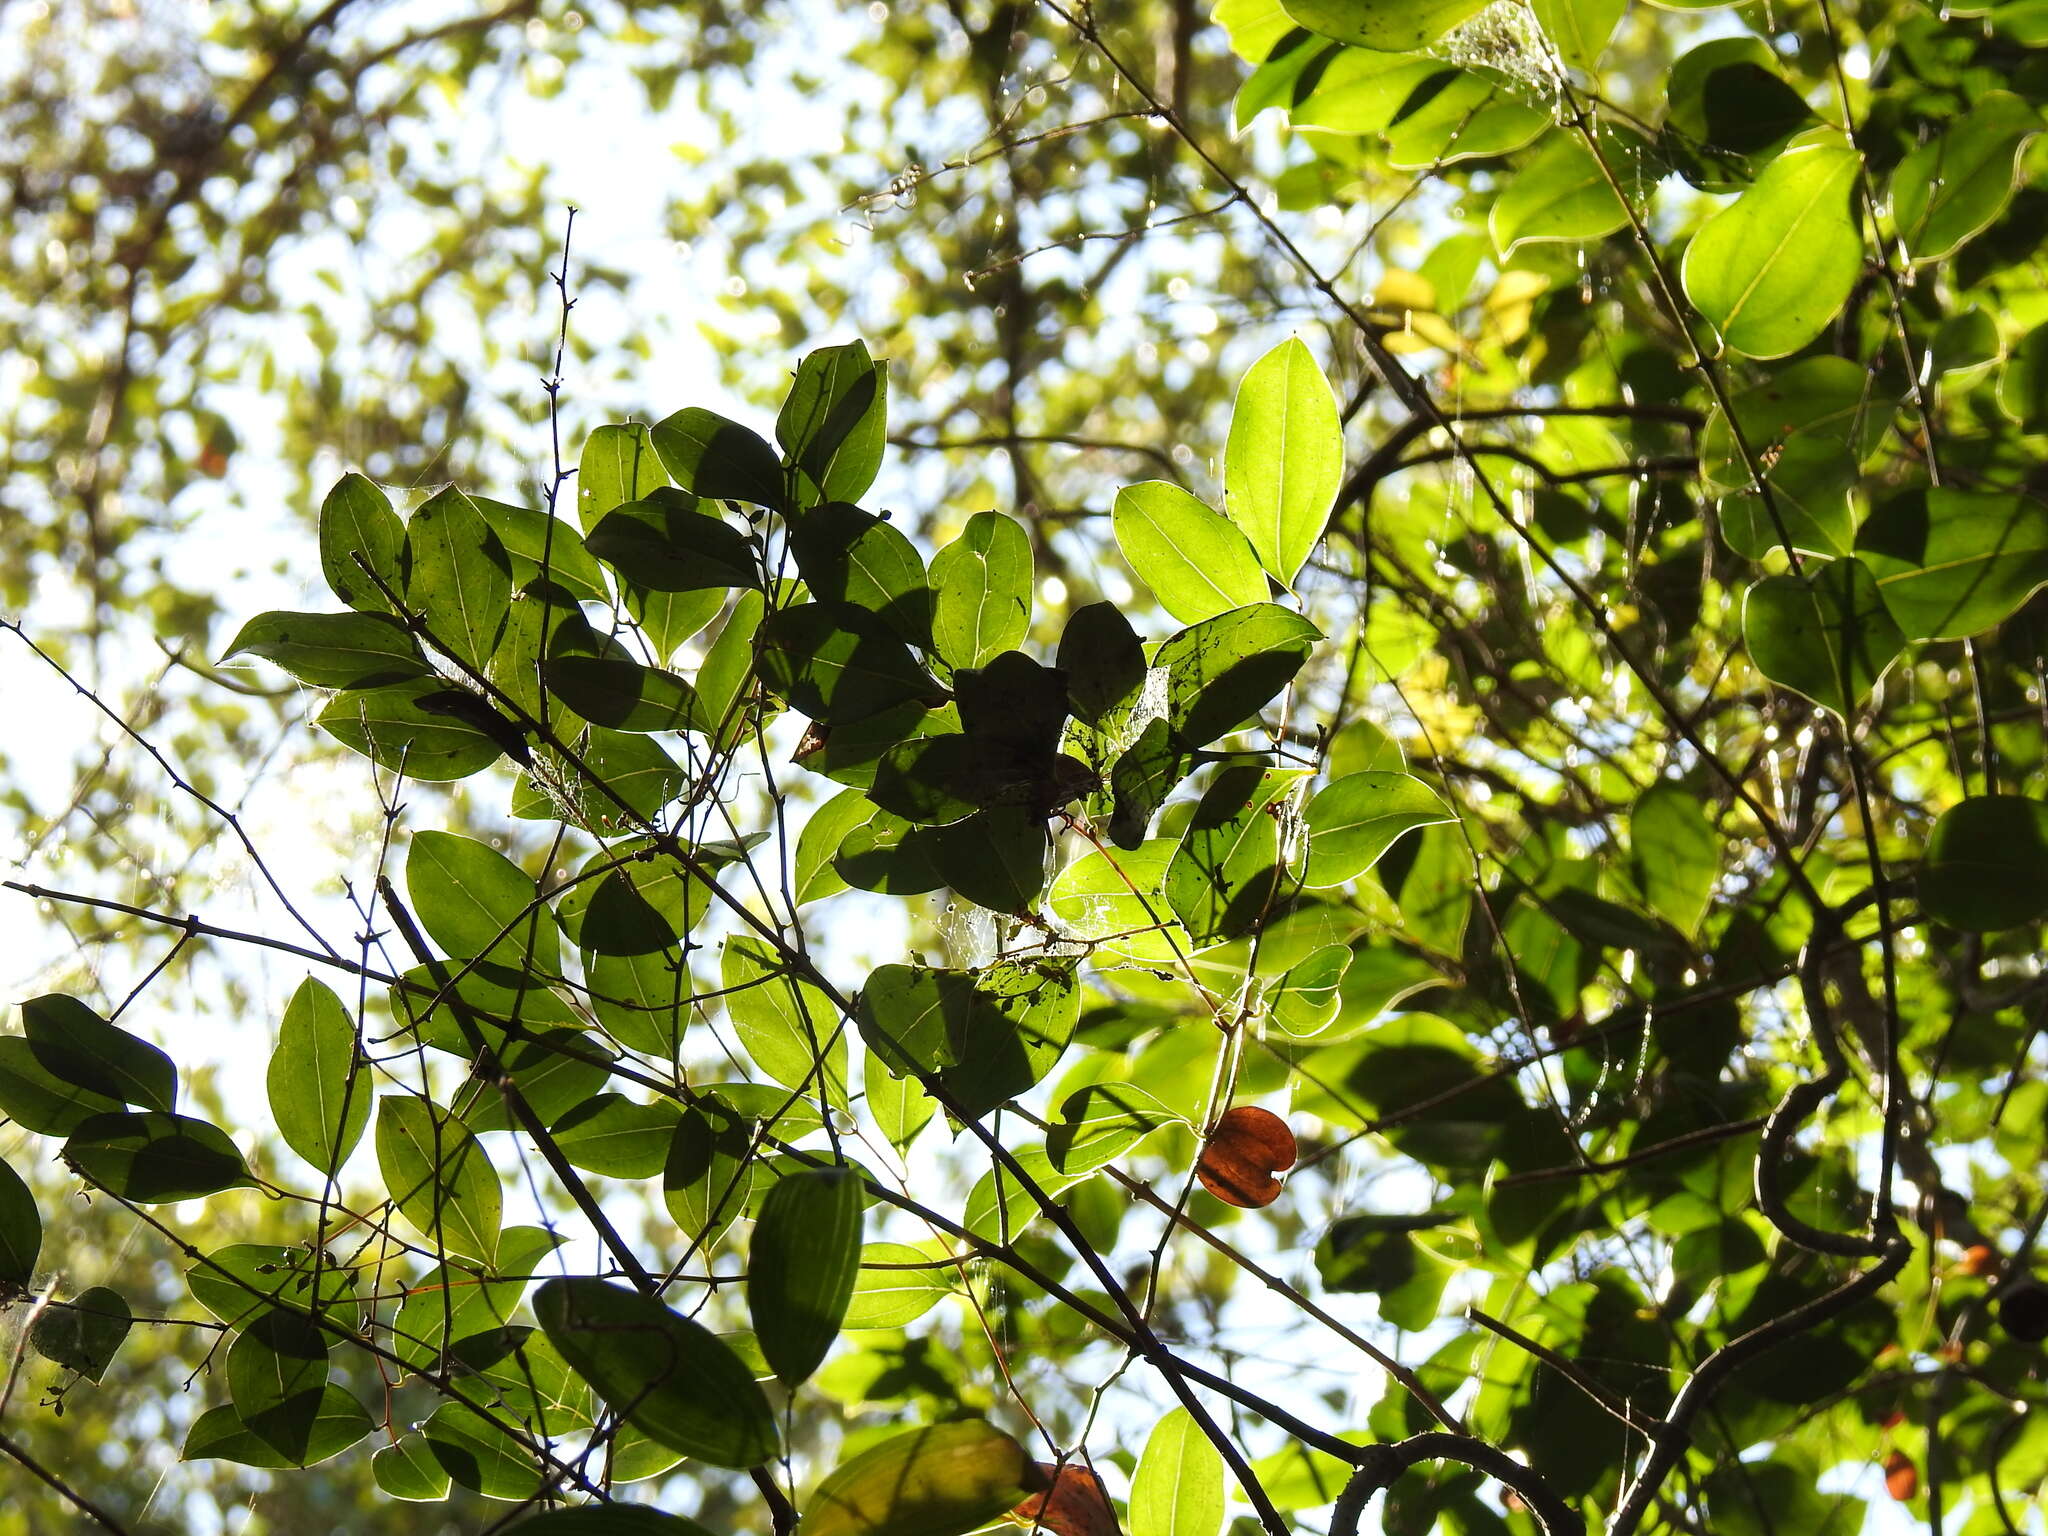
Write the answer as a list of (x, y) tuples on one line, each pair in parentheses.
[(318, 1098), (1177, 1489), (801, 1266), (1355, 819), (941, 1480), (838, 664), (84, 1333), (1283, 464), (1675, 853), (1952, 563), (1772, 270), (477, 904), (358, 528), (459, 577), (219, 1433), (1825, 634), (277, 1377), (394, 727), (1561, 194), (666, 1375), (21, 1230), (835, 420), (1224, 670), (1952, 187), (76, 1045), (982, 586), (439, 1176), (154, 1158), (333, 650), (718, 459), (1385, 24), (1986, 864), (619, 465), (1195, 560)]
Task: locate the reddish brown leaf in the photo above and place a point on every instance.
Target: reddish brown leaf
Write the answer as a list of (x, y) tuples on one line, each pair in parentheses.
[(1979, 1259), (1901, 1477), (1248, 1147), (1075, 1503)]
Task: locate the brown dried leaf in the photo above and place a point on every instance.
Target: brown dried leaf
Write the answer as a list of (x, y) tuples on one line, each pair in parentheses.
[(1074, 1504), (1248, 1146)]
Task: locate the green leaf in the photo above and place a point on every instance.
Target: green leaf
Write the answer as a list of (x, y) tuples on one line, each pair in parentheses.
[(155, 1159), (1352, 821), (718, 459), (220, 1434), (619, 465), (834, 422), (77, 1046), (1023, 1015), (439, 1176), (1561, 194), (617, 1137), (801, 1266), (641, 778), (1825, 634), (912, 1016), (1811, 480), (897, 1284), (21, 1230), (542, 546), (333, 650), (1228, 874), (84, 1333), (1951, 188), (1950, 564), (888, 855), (1177, 1489), (395, 728), (849, 556), (611, 1519), (725, 682), (407, 1470), (994, 858), (1104, 662), (1773, 269), (941, 1480), (1145, 773), (1462, 114), (823, 831), (237, 1282), (1284, 461), (459, 1300), (1816, 400), (625, 696), (1195, 560), (1114, 902), (710, 1169), (37, 1100), (554, 1072), (2023, 381), (664, 544), (356, 520), (1730, 111), (1579, 29), (459, 577), (839, 665), (277, 1378), (1675, 854), (480, 1456), (1102, 1122), (982, 591), (669, 1377), (318, 1098), (1394, 26), (899, 1107), (1986, 864), (786, 1024), (1306, 1000), (477, 904), (1222, 671)]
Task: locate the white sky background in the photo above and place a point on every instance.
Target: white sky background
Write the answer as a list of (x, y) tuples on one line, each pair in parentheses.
[(612, 160)]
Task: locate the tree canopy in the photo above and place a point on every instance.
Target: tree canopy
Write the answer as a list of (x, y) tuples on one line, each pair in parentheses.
[(1319, 804)]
